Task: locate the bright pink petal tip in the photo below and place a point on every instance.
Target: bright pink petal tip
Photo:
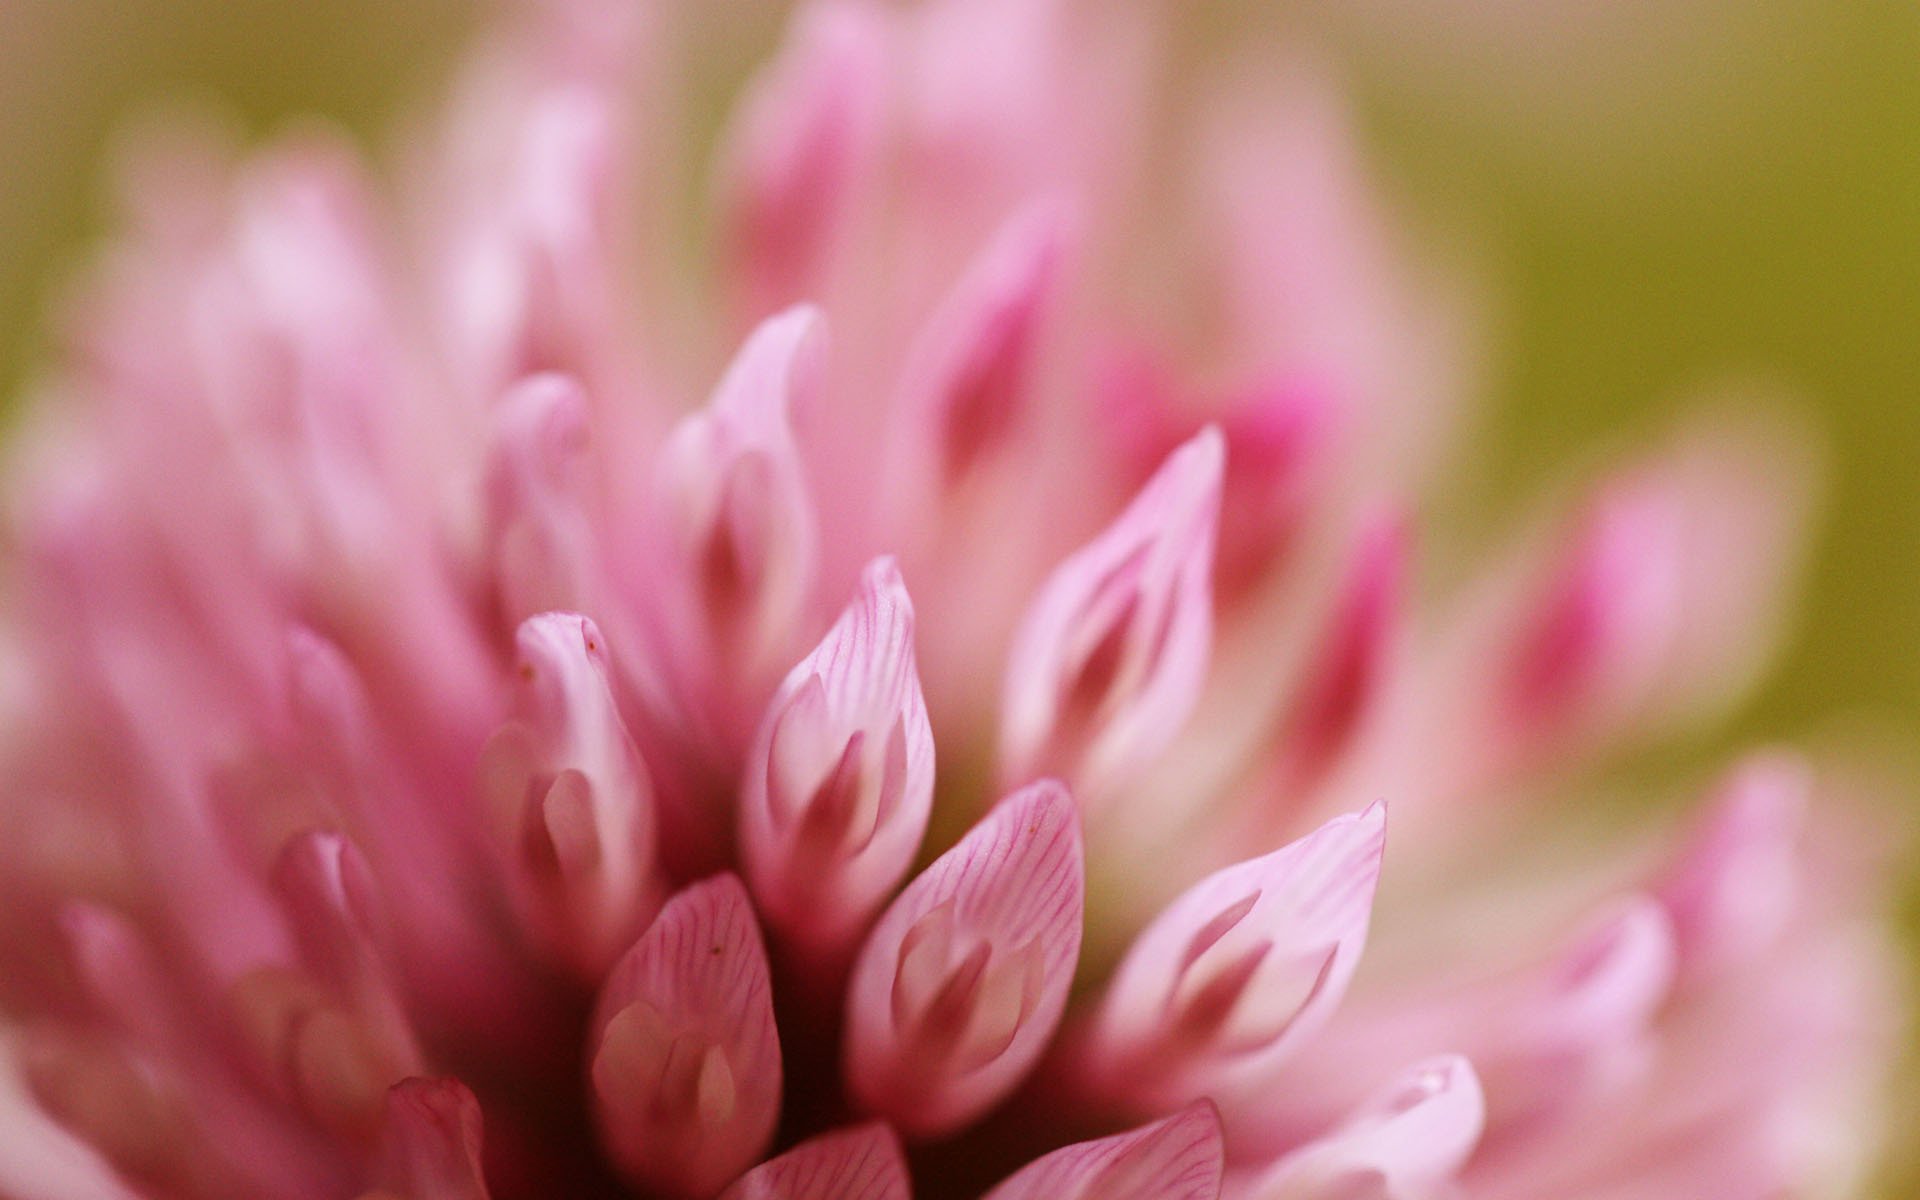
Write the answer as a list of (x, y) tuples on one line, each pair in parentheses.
[(1222, 986), (962, 982), (430, 1142), (1408, 1143), (1736, 883), (572, 807), (1110, 657), (861, 1163), (685, 1061), (970, 377), (840, 780), (734, 496), (1179, 1158)]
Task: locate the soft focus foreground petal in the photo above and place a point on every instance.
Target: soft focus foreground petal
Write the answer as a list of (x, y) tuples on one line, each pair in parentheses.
[(39, 1160), (1178, 1158), (1408, 1143), (740, 531), (685, 1060), (962, 982), (861, 1163), (1222, 986), (1735, 884), (430, 1143), (802, 144), (840, 780), (572, 808), (1113, 650)]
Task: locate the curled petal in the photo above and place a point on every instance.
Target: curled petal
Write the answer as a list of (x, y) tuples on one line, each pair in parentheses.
[(840, 780), (1112, 653), (1734, 886), (1225, 983), (1179, 1158), (685, 1061), (806, 133), (570, 798), (861, 1163), (969, 377), (740, 517), (543, 544), (430, 1141), (1407, 1143), (962, 982)]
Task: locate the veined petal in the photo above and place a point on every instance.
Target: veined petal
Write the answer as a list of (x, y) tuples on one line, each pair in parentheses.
[(1112, 653), (963, 980), (735, 498), (1179, 1158), (1223, 985), (861, 1163), (685, 1060), (543, 543), (1735, 884), (840, 780), (807, 131), (1408, 1143), (430, 1142), (571, 803), (969, 377)]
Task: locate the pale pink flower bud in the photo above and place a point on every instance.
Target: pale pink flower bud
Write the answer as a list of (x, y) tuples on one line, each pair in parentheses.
[(739, 518), (1220, 988), (1408, 1143), (1112, 652), (1178, 1158), (803, 139), (430, 1143), (544, 547), (840, 779), (571, 803), (861, 1163), (963, 980), (1733, 887), (684, 1060)]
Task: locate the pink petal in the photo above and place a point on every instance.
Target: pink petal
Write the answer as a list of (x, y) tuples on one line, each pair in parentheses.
[(1113, 651), (1222, 986), (1734, 886), (685, 1059), (861, 1163), (572, 807), (1178, 1158), (805, 135), (544, 548), (840, 780), (962, 982), (430, 1143), (969, 378), (739, 517), (1407, 1143)]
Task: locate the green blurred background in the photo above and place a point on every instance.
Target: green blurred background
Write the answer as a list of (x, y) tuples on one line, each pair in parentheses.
[(1656, 197)]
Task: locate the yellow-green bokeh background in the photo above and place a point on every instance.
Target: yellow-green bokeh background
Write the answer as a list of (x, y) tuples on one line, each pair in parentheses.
[(1656, 196)]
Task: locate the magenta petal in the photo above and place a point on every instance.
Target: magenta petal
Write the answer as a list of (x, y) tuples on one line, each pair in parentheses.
[(861, 1163), (1223, 985), (840, 780), (430, 1141), (1408, 1143), (572, 807), (963, 980), (1111, 655), (1178, 1158), (685, 1060)]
